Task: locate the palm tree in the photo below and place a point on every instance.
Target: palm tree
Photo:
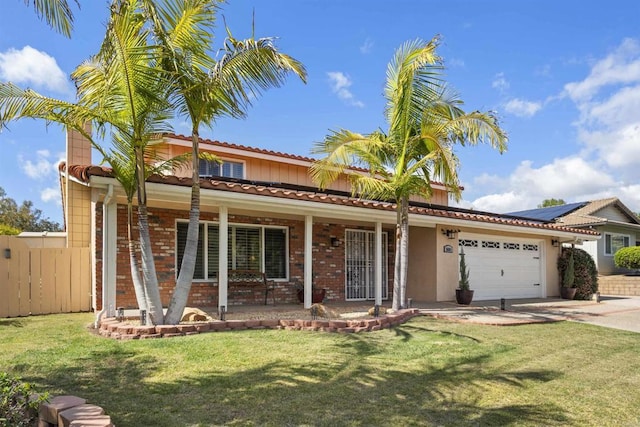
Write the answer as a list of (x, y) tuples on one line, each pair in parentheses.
[(425, 121), (205, 89), (120, 90), (57, 13)]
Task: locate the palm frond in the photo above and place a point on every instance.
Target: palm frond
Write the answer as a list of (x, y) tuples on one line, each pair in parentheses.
[(57, 14), (249, 67)]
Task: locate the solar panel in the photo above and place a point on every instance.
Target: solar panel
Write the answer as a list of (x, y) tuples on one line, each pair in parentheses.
[(550, 213)]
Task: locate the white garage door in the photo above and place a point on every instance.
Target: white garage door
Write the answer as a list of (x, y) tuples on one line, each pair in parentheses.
[(502, 268)]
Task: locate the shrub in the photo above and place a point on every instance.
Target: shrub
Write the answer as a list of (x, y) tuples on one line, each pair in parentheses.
[(18, 402), (628, 258), (463, 283), (7, 230), (585, 272)]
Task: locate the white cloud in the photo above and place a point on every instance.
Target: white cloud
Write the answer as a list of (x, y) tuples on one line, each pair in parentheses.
[(522, 108), (51, 194), (608, 100), (570, 178), (607, 129), (33, 67), (500, 82), (367, 46), (340, 84), (42, 167), (622, 66)]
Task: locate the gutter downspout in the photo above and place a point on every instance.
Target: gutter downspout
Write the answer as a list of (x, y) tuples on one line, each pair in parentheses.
[(105, 247)]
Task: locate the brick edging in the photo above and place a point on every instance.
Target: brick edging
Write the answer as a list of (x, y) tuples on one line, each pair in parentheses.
[(113, 328)]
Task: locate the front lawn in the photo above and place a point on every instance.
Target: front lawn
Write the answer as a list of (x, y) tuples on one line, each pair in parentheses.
[(425, 372)]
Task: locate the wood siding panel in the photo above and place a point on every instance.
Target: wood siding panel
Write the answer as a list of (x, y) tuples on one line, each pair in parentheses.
[(82, 279), (14, 279), (24, 285), (612, 213), (257, 169), (43, 280), (48, 281), (4, 281), (36, 285)]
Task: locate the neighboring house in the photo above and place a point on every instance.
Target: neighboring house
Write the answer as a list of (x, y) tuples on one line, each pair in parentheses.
[(618, 225), (278, 222)]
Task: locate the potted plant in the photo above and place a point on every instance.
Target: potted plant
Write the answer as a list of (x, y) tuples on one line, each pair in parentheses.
[(464, 295), (568, 289), (317, 294)]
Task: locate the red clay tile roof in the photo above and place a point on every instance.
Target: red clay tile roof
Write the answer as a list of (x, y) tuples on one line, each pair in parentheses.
[(83, 174)]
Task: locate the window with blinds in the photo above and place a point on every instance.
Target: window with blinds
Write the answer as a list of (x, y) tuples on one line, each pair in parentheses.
[(275, 244), (227, 169), (181, 239), (245, 248), (250, 248)]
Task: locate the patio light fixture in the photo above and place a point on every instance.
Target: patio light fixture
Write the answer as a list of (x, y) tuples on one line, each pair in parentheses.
[(450, 233), (555, 243), (335, 242)]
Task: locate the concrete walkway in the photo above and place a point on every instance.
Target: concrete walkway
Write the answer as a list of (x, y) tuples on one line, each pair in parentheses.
[(612, 312)]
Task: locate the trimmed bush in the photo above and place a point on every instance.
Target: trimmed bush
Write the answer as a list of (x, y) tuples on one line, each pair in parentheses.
[(7, 230), (585, 272), (628, 258), (18, 402)]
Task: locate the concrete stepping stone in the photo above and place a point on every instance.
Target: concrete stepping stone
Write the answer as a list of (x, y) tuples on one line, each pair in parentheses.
[(49, 410), (98, 421), (83, 412)]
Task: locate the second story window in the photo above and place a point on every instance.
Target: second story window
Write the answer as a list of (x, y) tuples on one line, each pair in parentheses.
[(227, 169)]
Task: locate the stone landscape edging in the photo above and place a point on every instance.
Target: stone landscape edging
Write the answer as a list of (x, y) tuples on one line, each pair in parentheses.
[(122, 329)]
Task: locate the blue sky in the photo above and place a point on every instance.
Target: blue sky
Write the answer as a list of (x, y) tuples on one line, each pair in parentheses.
[(564, 77)]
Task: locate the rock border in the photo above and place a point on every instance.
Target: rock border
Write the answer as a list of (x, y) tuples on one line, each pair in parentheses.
[(123, 330)]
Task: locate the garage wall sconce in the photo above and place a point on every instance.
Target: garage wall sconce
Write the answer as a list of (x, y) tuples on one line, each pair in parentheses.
[(450, 233), (555, 243)]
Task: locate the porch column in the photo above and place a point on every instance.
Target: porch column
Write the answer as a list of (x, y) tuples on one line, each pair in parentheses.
[(378, 264), (109, 257), (223, 251), (308, 260)]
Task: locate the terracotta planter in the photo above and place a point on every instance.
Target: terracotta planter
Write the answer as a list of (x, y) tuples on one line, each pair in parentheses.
[(568, 293), (316, 298), (464, 296)]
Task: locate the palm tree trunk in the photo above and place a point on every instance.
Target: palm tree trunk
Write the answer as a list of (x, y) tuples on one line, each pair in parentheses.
[(150, 279), (149, 276), (396, 304), (141, 296), (185, 278), (404, 250)]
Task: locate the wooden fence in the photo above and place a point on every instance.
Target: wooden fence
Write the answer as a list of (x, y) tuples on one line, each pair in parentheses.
[(43, 280)]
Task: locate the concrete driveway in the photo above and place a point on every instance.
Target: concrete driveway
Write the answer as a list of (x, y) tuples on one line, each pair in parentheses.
[(612, 312), (618, 312)]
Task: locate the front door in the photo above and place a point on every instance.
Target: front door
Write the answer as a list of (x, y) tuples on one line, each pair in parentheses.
[(360, 263)]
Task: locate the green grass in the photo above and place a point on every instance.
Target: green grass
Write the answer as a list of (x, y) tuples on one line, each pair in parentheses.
[(426, 372)]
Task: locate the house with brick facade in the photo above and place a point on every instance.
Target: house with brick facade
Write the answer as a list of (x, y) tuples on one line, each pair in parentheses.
[(261, 211)]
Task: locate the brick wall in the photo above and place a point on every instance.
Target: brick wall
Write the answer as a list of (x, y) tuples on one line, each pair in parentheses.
[(619, 285), (328, 261)]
